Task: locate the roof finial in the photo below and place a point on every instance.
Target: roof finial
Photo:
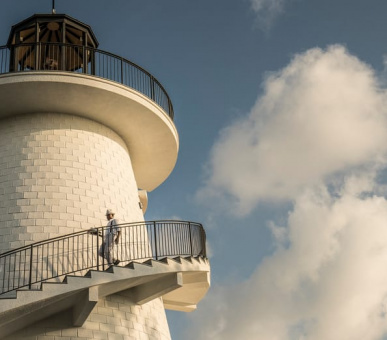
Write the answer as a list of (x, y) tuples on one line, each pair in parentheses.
[(53, 7)]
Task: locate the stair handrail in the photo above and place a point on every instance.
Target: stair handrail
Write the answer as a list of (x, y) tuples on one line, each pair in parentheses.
[(81, 251)]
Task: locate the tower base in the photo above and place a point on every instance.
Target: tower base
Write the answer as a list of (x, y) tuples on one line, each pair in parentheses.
[(115, 317)]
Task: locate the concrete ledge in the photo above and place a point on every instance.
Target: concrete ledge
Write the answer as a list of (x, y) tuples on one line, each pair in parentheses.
[(185, 298)]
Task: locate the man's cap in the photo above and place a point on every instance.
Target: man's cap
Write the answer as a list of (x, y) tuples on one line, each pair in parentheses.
[(109, 212)]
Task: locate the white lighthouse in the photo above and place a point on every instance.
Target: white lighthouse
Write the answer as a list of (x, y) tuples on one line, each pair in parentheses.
[(83, 130)]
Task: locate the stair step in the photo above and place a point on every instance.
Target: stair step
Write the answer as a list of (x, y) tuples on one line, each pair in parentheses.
[(9, 295), (188, 258), (88, 274), (52, 286), (110, 269), (130, 265), (176, 259), (148, 262), (198, 259), (73, 278), (163, 260)]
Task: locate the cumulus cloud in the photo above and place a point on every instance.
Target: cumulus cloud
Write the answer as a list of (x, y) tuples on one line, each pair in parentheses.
[(316, 137), (327, 281), (322, 115)]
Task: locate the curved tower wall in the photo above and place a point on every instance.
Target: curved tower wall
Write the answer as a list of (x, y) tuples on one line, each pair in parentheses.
[(58, 174), (113, 318)]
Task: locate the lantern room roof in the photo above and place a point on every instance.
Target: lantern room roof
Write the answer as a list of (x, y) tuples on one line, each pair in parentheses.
[(52, 28)]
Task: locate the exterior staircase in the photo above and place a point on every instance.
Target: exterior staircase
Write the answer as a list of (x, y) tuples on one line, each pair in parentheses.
[(181, 282)]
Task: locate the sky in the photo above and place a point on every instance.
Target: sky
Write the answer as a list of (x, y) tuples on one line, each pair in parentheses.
[(281, 111)]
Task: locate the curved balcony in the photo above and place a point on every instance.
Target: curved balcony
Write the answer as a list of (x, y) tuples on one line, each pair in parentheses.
[(80, 252), (87, 60)]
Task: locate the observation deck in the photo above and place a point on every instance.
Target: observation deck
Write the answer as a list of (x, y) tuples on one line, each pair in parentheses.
[(51, 64)]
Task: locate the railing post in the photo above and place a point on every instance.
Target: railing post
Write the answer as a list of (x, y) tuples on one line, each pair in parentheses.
[(170, 109), (92, 52), (190, 237), (154, 230), (37, 56), (122, 71), (12, 60), (103, 250), (97, 249), (152, 85), (203, 238), (62, 50), (30, 278), (84, 60)]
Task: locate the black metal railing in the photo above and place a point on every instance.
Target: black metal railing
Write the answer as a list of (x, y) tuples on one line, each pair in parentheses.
[(82, 251), (81, 59)]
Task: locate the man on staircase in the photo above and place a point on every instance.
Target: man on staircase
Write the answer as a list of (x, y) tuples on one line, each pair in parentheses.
[(111, 238)]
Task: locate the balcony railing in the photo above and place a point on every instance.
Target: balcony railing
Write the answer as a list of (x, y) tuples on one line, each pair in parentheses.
[(76, 253), (80, 59)]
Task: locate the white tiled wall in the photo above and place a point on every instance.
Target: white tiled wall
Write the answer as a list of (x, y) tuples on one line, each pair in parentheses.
[(58, 174), (114, 318)]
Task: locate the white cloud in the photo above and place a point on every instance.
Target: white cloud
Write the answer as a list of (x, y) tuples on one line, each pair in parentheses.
[(316, 137), (329, 283), (321, 115), (267, 10)]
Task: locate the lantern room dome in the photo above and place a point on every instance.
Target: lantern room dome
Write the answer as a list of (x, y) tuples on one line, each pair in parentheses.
[(52, 28), (51, 42)]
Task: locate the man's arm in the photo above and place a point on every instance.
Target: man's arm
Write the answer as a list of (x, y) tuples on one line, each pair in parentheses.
[(117, 240)]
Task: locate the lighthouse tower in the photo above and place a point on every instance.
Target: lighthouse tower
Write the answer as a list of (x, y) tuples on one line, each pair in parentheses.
[(83, 130)]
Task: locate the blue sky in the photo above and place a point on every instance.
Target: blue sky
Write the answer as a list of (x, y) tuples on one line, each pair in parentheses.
[(281, 111)]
